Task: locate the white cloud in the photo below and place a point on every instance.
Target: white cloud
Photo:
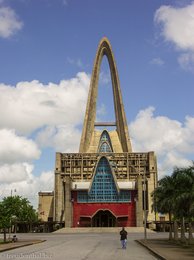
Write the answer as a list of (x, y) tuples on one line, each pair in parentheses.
[(105, 78), (20, 180), (171, 140), (17, 172), (172, 159), (186, 61), (63, 138), (15, 148), (32, 105), (78, 63), (54, 112), (101, 111), (157, 61), (65, 2), (177, 25), (9, 22)]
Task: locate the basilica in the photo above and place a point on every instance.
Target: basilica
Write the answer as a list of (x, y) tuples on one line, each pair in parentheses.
[(105, 184)]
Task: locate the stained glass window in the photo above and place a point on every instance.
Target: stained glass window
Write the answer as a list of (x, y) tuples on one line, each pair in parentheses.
[(105, 148), (105, 143), (103, 187)]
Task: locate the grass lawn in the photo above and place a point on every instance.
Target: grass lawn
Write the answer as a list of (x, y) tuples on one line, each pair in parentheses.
[(2, 241)]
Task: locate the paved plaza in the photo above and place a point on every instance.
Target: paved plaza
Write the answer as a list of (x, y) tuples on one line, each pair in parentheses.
[(94, 246), (99, 246)]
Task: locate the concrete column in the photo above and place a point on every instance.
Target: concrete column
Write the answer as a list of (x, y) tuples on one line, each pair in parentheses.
[(58, 191), (59, 198), (139, 203), (152, 184), (68, 203), (151, 187)]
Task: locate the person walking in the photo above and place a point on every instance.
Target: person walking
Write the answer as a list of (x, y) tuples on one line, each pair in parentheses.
[(123, 234)]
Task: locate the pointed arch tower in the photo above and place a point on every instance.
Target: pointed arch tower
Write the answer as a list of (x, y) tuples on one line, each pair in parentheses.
[(104, 48)]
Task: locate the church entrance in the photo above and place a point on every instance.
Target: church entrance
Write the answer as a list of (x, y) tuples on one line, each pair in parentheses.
[(103, 218)]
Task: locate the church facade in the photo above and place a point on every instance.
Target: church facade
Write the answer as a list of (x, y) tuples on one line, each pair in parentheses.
[(105, 184)]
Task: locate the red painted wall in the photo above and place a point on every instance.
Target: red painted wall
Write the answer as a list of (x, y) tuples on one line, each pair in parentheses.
[(118, 209)]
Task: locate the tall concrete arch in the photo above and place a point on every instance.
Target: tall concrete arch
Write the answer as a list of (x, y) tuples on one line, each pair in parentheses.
[(104, 48)]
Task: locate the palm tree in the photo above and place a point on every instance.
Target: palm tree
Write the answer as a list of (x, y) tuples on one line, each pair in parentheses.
[(184, 199), (175, 196), (163, 198)]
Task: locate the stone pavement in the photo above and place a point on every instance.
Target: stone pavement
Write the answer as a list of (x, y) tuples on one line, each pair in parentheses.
[(167, 250), (161, 247), (81, 246), (20, 243)]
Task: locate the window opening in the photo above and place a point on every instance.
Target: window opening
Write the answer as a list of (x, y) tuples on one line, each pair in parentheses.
[(103, 187)]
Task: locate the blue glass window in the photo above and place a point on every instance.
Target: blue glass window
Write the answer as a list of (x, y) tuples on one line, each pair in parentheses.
[(105, 148), (105, 143), (103, 187), (105, 136)]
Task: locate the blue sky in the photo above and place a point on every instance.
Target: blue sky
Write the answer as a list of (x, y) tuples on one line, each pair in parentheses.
[(47, 50)]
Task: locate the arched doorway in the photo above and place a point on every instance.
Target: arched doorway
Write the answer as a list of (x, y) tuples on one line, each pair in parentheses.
[(103, 218)]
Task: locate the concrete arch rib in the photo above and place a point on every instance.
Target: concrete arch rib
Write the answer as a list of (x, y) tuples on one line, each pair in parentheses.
[(104, 48)]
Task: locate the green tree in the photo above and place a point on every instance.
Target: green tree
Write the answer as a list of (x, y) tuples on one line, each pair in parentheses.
[(163, 198), (4, 219), (175, 196), (184, 199), (14, 209)]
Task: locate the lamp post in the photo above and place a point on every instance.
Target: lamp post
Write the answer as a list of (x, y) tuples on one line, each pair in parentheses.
[(12, 192), (10, 228)]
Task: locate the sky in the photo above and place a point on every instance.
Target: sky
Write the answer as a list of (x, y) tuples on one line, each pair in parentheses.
[(47, 50)]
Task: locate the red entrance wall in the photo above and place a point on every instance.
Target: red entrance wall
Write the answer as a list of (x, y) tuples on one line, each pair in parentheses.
[(118, 209)]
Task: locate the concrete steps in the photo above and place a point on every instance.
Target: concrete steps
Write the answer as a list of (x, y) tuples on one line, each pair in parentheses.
[(102, 230)]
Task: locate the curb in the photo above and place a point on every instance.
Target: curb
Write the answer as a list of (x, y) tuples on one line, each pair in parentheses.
[(151, 250), (18, 246)]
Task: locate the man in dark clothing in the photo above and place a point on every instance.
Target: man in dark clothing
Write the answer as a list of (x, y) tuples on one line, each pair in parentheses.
[(123, 234)]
